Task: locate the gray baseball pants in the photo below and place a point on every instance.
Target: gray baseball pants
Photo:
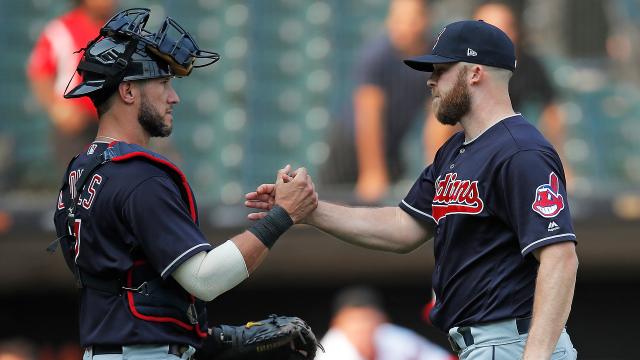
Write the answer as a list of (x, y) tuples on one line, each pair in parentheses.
[(503, 340)]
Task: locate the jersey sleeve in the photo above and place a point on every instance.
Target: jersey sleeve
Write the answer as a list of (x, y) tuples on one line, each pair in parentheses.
[(418, 201), (532, 185), (162, 226)]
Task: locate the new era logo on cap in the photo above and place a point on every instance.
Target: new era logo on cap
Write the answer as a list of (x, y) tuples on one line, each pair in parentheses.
[(473, 41)]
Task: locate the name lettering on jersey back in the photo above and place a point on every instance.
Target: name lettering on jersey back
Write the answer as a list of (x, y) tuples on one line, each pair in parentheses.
[(455, 196), (73, 179), (95, 182), (85, 202), (60, 202)]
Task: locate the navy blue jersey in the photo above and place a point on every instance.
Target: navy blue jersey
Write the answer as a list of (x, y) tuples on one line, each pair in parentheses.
[(494, 200), (127, 208)]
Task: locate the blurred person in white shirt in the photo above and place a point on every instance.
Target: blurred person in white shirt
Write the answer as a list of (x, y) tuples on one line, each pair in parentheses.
[(361, 330)]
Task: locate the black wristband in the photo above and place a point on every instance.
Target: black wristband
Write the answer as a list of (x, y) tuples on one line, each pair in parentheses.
[(269, 228)]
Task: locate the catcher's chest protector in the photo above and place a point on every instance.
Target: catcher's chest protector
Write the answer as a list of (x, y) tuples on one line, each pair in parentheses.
[(148, 296)]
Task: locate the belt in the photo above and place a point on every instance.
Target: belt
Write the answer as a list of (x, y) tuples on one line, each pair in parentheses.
[(522, 325), (174, 349)]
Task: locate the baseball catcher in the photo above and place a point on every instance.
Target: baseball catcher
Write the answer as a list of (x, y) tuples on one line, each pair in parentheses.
[(127, 219), (277, 337)]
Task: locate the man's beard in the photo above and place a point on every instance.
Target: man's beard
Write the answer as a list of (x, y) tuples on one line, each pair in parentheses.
[(151, 120), (455, 104)]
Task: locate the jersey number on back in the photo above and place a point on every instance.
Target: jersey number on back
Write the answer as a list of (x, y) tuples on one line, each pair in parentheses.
[(77, 225)]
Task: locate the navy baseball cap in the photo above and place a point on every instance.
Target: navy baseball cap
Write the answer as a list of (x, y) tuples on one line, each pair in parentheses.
[(472, 41)]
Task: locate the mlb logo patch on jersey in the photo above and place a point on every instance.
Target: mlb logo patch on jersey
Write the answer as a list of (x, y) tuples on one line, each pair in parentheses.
[(92, 149), (548, 201)]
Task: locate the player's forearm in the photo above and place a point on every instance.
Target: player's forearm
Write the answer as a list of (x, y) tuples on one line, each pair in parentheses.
[(374, 228), (370, 147), (553, 126), (434, 135), (207, 275), (43, 89), (253, 251), (369, 135), (552, 303), (431, 138)]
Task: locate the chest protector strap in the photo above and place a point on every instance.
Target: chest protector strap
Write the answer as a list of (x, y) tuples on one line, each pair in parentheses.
[(71, 198), (149, 297)]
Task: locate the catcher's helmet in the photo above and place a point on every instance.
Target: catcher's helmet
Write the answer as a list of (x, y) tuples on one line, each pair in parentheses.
[(125, 50)]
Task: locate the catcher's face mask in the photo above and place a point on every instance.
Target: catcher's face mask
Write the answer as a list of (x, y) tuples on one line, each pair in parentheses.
[(171, 42), (125, 50), (176, 46)]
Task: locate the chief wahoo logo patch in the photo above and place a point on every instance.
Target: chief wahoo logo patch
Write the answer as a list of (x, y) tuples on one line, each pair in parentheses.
[(548, 201)]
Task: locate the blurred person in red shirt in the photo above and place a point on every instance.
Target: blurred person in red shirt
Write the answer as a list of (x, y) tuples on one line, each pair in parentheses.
[(52, 63)]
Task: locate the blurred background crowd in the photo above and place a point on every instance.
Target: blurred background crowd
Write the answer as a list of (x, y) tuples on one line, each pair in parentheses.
[(321, 84)]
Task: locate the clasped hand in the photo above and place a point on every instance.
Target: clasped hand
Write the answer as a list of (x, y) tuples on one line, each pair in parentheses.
[(293, 191)]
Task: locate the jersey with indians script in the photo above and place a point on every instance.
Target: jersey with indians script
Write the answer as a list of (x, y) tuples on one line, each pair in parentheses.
[(493, 200)]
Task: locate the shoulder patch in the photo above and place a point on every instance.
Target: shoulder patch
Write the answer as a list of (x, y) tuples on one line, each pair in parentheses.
[(548, 202)]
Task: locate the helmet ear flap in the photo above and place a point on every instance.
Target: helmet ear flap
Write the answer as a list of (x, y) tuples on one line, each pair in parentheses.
[(110, 74)]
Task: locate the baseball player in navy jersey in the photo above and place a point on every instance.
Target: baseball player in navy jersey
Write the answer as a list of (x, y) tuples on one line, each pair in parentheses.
[(495, 202), (126, 217)]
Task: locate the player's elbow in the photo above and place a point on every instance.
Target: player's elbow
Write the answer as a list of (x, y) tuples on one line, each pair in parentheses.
[(406, 246), (563, 256), (572, 261), (207, 275), (403, 250), (202, 294), (569, 257), (407, 234)]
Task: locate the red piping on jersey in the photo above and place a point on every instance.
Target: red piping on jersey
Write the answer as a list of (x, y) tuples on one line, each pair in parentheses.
[(192, 210), (426, 311), (202, 334), (183, 178), (135, 312)]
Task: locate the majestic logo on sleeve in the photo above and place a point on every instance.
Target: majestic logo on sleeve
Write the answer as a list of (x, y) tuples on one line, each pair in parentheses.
[(455, 196), (548, 201)]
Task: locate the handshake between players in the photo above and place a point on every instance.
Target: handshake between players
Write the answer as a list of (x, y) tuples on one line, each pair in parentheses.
[(293, 190)]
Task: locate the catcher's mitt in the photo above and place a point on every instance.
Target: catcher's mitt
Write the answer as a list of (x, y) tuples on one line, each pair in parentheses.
[(277, 337)]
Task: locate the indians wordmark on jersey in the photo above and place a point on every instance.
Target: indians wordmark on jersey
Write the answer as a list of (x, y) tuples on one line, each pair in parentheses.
[(454, 196)]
